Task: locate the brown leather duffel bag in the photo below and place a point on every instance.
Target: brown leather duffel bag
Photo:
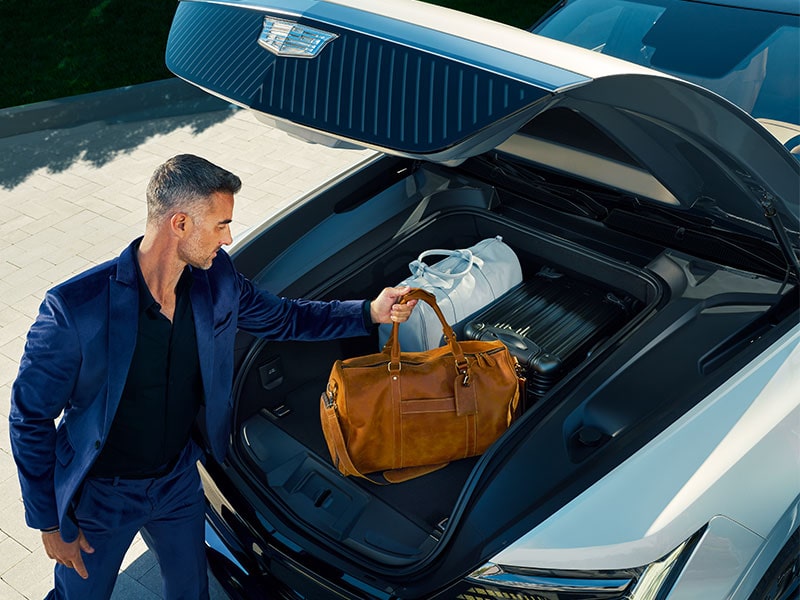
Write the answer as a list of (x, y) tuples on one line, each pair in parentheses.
[(409, 413)]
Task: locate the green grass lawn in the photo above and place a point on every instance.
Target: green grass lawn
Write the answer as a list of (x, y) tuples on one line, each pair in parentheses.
[(57, 49)]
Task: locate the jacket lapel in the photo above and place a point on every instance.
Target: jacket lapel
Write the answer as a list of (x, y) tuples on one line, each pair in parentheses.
[(203, 312), (123, 307)]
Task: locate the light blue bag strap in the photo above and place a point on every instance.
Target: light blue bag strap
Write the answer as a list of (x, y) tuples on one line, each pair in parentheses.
[(418, 267)]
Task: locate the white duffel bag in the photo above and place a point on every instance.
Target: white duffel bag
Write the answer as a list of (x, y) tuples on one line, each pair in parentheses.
[(463, 283)]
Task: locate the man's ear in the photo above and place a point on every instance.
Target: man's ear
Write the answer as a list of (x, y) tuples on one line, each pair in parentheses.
[(179, 224)]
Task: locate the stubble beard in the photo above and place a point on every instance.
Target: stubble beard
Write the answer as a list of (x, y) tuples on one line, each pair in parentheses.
[(191, 256)]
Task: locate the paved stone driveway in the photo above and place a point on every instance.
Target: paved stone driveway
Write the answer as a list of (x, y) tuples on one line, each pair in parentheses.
[(72, 183)]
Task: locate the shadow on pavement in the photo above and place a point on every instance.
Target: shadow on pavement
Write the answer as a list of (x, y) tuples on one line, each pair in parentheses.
[(97, 128), (96, 143)]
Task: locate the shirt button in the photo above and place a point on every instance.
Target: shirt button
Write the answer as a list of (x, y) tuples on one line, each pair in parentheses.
[(96, 444)]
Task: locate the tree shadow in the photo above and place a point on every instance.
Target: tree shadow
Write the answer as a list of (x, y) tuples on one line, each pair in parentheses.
[(100, 140)]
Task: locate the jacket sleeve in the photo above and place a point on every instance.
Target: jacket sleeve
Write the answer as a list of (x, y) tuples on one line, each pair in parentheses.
[(266, 315), (47, 375)]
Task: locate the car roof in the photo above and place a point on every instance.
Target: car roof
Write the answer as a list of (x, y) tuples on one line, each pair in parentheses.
[(791, 7)]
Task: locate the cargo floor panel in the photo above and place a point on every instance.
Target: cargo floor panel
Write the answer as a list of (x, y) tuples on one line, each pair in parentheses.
[(392, 521)]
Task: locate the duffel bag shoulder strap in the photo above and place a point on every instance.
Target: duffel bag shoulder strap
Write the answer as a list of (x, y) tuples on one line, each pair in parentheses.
[(345, 463)]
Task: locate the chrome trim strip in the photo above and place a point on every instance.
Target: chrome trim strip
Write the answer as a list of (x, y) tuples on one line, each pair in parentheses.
[(496, 575)]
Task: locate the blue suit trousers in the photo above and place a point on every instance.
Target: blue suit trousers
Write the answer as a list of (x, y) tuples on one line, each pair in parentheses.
[(169, 511)]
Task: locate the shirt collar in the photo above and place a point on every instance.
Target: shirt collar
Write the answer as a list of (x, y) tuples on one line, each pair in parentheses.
[(146, 300)]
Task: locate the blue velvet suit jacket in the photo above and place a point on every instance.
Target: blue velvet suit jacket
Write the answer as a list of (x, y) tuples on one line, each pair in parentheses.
[(79, 349)]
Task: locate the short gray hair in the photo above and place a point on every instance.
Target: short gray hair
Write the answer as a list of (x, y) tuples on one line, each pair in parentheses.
[(183, 182)]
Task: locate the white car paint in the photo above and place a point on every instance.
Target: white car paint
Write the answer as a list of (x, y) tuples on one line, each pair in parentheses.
[(460, 25), (730, 456)]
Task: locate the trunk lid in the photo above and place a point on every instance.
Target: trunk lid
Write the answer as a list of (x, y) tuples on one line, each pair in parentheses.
[(377, 75)]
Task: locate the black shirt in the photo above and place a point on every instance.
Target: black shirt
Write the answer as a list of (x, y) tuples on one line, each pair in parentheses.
[(162, 393)]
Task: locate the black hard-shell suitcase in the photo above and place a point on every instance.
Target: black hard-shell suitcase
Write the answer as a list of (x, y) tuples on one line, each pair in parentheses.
[(551, 323)]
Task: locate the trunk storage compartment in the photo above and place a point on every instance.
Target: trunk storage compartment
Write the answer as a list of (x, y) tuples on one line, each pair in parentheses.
[(277, 391)]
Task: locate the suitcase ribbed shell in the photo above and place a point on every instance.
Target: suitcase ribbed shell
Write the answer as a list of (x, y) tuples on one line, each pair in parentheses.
[(550, 323)]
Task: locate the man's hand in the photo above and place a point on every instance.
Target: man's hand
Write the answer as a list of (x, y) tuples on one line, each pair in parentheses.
[(386, 308), (67, 553)]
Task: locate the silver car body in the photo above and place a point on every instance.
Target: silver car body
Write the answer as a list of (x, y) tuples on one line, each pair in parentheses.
[(730, 466)]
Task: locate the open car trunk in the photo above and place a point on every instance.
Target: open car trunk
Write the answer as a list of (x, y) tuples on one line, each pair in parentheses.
[(388, 213), (691, 314), (278, 390)]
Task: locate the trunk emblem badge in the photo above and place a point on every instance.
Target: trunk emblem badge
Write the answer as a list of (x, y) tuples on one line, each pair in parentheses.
[(287, 38)]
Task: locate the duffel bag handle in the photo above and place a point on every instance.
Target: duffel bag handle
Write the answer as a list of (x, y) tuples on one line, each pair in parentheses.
[(393, 343), (419, 266)]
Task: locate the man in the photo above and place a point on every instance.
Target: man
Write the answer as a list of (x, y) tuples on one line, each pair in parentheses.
[(129, 353)]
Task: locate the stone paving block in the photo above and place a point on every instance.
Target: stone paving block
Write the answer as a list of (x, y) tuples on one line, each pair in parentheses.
[(151, 579), (13, 316), (10, 485), (44, 182), (138, 561), (41, 589), (11, 554), (133, 177), (69, 266), (5, 408), (134, 221), (108, 224), (288, 178), (58, 203), (104, 248), (67, 178), (5, 243), (14, 221), (34, 285), (12, 522), (29, 249), (9, 365), (42, 224), (20, 193), (8, 470), (79, 195), (17, 327), (98, 205), (120, 195), (128, 588), (29, 305), (7, 268), (75, 222), (13, 348), (35, 208), (9, 593), (33, 575), (36, 266), (14, 236)]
